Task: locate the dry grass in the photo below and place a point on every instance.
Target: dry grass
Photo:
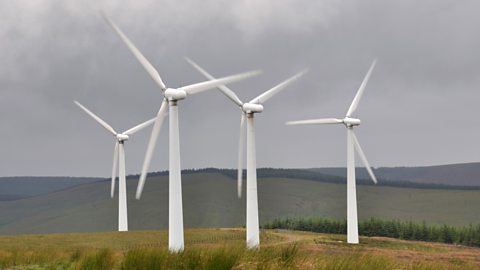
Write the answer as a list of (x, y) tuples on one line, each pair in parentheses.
[(224, 249)]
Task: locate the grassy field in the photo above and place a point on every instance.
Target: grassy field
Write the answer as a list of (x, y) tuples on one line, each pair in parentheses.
[(210, 200), (223, 249)]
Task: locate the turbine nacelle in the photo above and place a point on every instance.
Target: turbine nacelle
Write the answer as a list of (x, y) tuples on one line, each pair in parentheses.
[(175, 94), (252, 108), (350, 122), (122, 137)]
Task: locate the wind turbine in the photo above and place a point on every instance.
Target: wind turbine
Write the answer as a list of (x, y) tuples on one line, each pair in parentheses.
[(248, 109), (119, 158), (171, 98), (352, 143)]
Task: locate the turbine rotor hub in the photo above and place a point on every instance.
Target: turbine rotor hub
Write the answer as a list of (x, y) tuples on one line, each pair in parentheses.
[(351, 122), (252, 108), (175, 94), (122, 137)]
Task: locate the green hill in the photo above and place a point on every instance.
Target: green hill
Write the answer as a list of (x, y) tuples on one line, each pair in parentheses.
[(20, 187), (453, 176), (210, 200), (463, 174)]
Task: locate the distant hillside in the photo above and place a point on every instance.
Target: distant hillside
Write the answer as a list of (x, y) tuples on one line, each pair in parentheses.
[(210, 200), (330, 175), (456, 176), (465, 174), (14, 188)]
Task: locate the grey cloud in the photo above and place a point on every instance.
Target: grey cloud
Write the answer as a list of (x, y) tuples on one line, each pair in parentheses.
[(418, 109)]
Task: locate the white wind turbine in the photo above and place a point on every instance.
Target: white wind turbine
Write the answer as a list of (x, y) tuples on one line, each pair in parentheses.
[(248, 109), (119, 159), (171, 96), (352, 144)]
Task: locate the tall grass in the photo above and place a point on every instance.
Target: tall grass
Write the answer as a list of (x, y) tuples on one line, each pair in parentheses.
[(17, 257), (138, 259), (355, 262), (208, 259), (223, 258), (57, 259), (379, 262), (102, 259), (289, 256), (281, 251)]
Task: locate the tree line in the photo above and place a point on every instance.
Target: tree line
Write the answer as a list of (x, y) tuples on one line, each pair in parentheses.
[(407, 230)]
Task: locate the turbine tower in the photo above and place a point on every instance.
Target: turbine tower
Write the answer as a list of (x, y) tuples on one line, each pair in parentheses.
[(171, 98), (119, 158), (248, 110), (352, 143)]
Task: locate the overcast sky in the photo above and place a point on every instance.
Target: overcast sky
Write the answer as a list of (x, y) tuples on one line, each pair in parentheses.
[(420, 107)]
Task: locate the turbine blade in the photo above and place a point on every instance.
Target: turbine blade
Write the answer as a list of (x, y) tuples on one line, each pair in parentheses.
[(359, 94), (241, 152), (140, 127), (151, 146), (114, 169), (145, 63), (363, 157), (98, 119), (270, 93), (225, 90), (316, 121), (200, 87)]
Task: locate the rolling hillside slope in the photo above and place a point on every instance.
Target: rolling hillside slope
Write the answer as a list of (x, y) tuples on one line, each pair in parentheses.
[(455, 176), (13, 188), (210, 201), (465, 174)]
